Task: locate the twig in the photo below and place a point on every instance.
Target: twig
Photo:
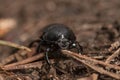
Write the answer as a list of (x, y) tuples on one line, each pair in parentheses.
[(89, 59), (13, 57), (94, 76), (115, 54), (21, 53), (91, 77), (7, 43), (101, 70), (24, 66), (92, 63), (114, 46), (99, 52), (28, 60)]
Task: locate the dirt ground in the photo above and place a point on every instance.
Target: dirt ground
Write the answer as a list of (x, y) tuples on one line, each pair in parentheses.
[(96, 24)]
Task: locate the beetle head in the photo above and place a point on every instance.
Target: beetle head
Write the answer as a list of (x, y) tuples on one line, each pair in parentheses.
[(63, 43)]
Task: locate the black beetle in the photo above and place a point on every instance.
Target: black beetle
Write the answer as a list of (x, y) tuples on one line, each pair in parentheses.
[(57, 36)]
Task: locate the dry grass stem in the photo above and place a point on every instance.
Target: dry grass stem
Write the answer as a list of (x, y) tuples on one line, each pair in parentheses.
[(115, 54), (7, 43), (92, 63), (28, 60)]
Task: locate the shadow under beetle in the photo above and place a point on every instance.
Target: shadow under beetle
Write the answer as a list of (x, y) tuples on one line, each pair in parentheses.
[(56, 37)]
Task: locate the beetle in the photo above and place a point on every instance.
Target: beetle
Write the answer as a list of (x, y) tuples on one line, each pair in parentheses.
[(57, 37)]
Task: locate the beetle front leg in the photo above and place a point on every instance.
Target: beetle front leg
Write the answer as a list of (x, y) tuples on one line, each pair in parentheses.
[(46, 56), (80, 48), (39, 48)]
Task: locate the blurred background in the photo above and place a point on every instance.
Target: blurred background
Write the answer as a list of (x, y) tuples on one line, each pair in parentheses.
[(22, 21)]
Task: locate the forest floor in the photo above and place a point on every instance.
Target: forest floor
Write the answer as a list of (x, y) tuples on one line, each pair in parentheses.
[(96, 24)]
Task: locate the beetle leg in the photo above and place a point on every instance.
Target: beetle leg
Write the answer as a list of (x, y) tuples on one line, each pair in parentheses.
[(46, 56), (38, 48), (31, 44), (79, 48)]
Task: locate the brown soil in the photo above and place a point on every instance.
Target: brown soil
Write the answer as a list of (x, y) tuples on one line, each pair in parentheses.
[(94, 22)]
